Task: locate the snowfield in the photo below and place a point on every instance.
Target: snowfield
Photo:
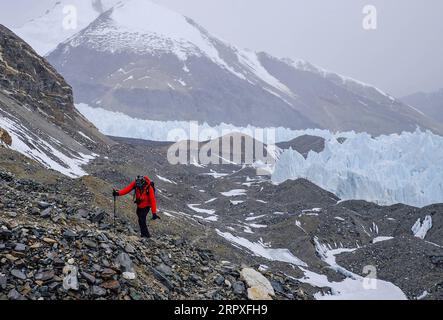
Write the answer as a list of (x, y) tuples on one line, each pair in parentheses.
[(353, 287), (45, 32), (258, 249)]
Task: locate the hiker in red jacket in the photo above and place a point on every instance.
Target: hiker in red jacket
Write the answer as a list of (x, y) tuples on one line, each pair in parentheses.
[(144, 197)]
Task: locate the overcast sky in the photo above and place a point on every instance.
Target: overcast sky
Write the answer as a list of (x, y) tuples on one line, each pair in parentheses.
[(403, 55)]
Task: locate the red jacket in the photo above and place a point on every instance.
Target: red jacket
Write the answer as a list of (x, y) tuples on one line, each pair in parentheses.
[(147, 200)]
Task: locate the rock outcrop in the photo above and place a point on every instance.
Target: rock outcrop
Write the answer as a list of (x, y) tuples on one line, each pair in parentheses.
[(5, 138)]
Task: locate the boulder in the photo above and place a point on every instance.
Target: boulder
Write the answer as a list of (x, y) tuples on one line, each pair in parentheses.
[(124, 262), (70, 282), (259, 288), (258, 293)]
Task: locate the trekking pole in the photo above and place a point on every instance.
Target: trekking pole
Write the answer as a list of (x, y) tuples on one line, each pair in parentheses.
[(115, 211)]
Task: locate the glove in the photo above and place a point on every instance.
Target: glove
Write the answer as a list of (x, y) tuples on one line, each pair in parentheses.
[(115, 193), (155, 217)]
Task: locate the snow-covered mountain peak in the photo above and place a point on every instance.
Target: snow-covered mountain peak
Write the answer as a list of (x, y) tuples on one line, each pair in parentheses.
[(61, 21), (143, 26), (141, 16)]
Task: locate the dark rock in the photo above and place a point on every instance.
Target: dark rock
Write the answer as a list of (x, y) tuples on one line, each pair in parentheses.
[(97, 217), (18, 274), (129, 248), (97, 267), (58, 262), (89, 243), (113, 285), (165, 258), (134, 294), (53, 285), (194, 278), (12, 214), (437, 260), (82, 213), (35, 211), (108, 273), (15, 295), (69, 234), (46, 213), (90, 278), (3, 281), (160, 277), (97, 291), (219, 280), (20, 247), (45, 276), (179, 242), (277, 287), (164, 269), (43, 205), (5, 234), (238, 287)]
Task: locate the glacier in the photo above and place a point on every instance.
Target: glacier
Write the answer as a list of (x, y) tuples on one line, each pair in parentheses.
[(118, 124), (389, 169), (399, 168)]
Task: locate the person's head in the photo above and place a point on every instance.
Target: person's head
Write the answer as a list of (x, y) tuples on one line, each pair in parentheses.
[(140, 182)]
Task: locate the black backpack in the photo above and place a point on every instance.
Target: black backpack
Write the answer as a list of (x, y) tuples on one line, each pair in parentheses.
[(140, 184)]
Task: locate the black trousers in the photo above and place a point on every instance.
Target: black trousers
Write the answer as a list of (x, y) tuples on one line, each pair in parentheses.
[(142, 216)]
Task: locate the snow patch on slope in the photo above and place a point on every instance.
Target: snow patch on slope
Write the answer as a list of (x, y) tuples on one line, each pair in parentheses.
[(195, 208), (420, 229), (234, 193), (354, 287), (381, 239), (30, 145), (283, 255)]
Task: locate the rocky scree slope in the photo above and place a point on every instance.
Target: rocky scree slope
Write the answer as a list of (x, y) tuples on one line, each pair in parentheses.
[(56, 243), (295, 215)]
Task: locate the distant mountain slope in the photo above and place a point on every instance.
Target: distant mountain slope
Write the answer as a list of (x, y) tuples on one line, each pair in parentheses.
[(431, 104), (152, 63), (37, 110)]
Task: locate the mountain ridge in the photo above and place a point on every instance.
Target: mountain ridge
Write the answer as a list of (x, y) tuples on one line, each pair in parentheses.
[(171, 68), (429, 103), (37, 110)]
